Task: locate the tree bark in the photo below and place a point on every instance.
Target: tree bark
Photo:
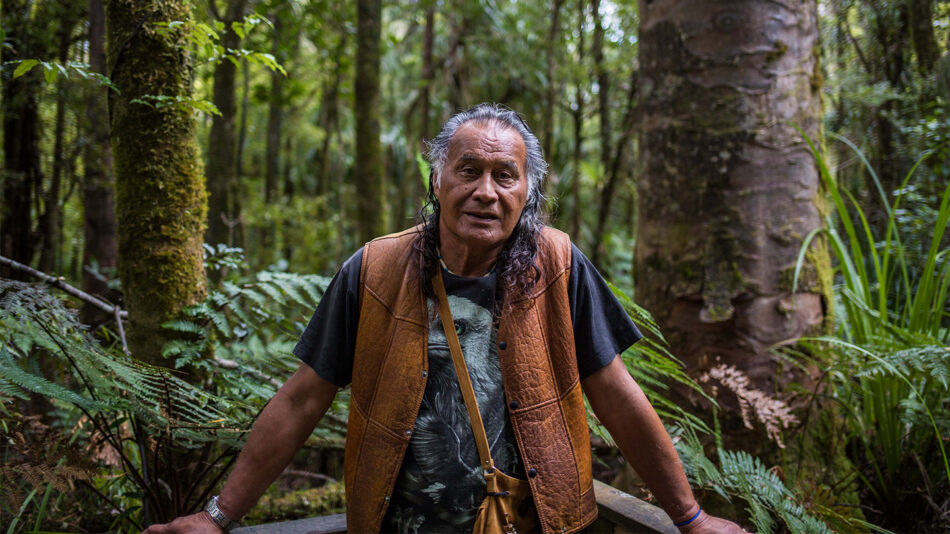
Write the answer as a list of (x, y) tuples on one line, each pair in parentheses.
[(603, 85), (98, 199), (275, 114), (729, 188), (550, 93), (578, 116), (428, 74), (161, 202), (221, 173), (920, 13), (21, 126), (370, 200)]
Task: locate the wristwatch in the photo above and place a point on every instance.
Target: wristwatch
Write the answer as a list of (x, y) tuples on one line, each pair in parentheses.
[(218, 516)]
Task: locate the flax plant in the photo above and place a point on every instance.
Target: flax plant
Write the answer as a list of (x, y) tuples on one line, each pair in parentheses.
[(889, 370)]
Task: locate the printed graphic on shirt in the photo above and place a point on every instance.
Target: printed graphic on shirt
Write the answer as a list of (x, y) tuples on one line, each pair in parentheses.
[(441, 485)]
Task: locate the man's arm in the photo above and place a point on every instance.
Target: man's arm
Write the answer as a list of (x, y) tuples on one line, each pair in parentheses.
[(624, 410), (275, 438)]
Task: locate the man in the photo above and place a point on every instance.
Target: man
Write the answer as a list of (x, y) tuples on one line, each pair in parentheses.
[(537, 326)]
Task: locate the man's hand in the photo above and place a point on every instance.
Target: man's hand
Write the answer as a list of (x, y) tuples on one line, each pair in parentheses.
[(707, 524), (199, 523)]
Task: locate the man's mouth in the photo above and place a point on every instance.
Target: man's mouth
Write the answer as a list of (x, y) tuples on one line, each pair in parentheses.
[(483, 216)]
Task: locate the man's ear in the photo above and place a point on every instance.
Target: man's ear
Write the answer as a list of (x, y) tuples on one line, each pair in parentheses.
[(433, 183)]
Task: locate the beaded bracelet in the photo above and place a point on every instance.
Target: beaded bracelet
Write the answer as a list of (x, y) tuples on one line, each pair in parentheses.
[(688, 521)]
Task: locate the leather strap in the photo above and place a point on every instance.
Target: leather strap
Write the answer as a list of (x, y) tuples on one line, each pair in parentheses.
[(465, 382)]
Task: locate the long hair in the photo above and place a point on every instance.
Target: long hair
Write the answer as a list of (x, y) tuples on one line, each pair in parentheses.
[(517, 271)]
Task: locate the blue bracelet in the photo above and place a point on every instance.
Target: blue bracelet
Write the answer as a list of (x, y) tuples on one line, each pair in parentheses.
[(688, 521)]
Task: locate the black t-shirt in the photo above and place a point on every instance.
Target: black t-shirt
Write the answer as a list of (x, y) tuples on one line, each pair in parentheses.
[(440, 485)]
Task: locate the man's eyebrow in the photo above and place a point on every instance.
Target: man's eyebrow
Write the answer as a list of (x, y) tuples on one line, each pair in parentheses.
[(469, 157)]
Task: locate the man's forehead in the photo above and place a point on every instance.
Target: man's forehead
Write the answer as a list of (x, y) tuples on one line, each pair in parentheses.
[(473, 138)]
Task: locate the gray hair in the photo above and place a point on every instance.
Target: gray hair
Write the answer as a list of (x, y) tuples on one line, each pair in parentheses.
[(535, 166)]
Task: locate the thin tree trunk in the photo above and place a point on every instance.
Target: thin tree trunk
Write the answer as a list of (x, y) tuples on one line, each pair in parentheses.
[(603, 85), (428, 74), (238, 234), (222, 160), (370, 200), (98, 199), (729, 189), (547, 135), (21, 126), (614, 172), (578, 116), (275, 116), (161, 202), (920, 14)]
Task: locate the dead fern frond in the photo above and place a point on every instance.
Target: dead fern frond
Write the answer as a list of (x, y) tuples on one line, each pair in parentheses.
[(753, 403)]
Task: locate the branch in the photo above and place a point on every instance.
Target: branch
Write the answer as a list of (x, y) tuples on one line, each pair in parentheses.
[(61, 284)]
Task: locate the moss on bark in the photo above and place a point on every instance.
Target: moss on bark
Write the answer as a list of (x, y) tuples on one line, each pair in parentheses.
[(161, 202)]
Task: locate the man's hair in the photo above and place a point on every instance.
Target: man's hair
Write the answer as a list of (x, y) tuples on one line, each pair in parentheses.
[(517, 272)]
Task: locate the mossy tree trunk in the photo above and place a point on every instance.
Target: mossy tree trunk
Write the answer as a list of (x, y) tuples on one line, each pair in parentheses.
[(729, 188), (98, 194), (920, 13), (161, 203), (223, 206), (370, 190)]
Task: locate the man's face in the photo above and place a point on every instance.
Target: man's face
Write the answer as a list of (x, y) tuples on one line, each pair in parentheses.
[(483, 187)]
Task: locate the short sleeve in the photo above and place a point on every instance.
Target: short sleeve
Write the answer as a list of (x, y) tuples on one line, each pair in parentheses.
[(329, 341), (602, 328)]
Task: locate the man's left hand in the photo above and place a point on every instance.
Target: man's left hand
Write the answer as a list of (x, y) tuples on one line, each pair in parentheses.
[(707, 524)]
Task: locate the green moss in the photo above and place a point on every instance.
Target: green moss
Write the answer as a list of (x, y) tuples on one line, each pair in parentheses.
[(778, 50), (325, 500)]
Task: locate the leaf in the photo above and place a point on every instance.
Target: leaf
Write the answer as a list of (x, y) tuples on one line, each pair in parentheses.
[(49, 72), (25, 66)]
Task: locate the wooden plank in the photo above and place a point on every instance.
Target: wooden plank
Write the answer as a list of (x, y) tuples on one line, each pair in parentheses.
[(327, 524), (630, 514)]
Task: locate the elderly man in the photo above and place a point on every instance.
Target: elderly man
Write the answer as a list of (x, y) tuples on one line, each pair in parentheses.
[(537, 327)]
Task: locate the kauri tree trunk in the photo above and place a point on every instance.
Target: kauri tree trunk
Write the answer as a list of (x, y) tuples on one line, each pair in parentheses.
[(223, 214), (729, 188), (98, 196), (920, 13), (161, 203), (370, 199)]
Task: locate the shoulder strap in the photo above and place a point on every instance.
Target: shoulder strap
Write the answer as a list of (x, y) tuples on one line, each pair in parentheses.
[(465, 382)]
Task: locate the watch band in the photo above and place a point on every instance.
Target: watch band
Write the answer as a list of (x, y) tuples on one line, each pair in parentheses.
[(218, 516)]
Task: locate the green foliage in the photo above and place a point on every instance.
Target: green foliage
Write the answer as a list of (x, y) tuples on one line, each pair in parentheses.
[(52, 70), (888, 368), (205, 40)]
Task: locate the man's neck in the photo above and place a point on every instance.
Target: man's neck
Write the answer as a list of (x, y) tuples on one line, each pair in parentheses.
[(467, 261)]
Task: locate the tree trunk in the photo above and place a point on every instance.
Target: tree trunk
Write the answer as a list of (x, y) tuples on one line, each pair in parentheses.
[(428, 74), (603, 85), (920, 13), (370, 200), (161, 203), (578, 116), (275, 114), (547, 130), (21, 126), (98, 199), (222, 160), (729, 188)]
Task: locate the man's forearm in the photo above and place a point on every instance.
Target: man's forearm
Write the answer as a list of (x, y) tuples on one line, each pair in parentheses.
[(279, 432), (624, 410)]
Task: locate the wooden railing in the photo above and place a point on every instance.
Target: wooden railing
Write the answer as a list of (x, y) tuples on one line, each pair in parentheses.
[(619, 513)]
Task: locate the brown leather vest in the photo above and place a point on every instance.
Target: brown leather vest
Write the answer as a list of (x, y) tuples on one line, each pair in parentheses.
[(538, 367)]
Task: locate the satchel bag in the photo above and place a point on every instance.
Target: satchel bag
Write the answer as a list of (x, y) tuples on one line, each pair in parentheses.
[(508, 507)]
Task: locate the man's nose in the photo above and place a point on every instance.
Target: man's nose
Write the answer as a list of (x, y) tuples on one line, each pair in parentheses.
[(485, 189)]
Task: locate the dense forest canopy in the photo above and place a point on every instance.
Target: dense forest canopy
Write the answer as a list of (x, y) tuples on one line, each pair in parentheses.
[(751, 173)]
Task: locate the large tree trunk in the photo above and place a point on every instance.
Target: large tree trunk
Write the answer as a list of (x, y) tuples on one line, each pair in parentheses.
[(21, 126), (222, 161), (729, 188), (98, 199), (370, 200), (161, 203)]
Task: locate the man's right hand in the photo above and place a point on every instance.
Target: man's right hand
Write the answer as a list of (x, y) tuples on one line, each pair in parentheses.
[(199, 523)]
